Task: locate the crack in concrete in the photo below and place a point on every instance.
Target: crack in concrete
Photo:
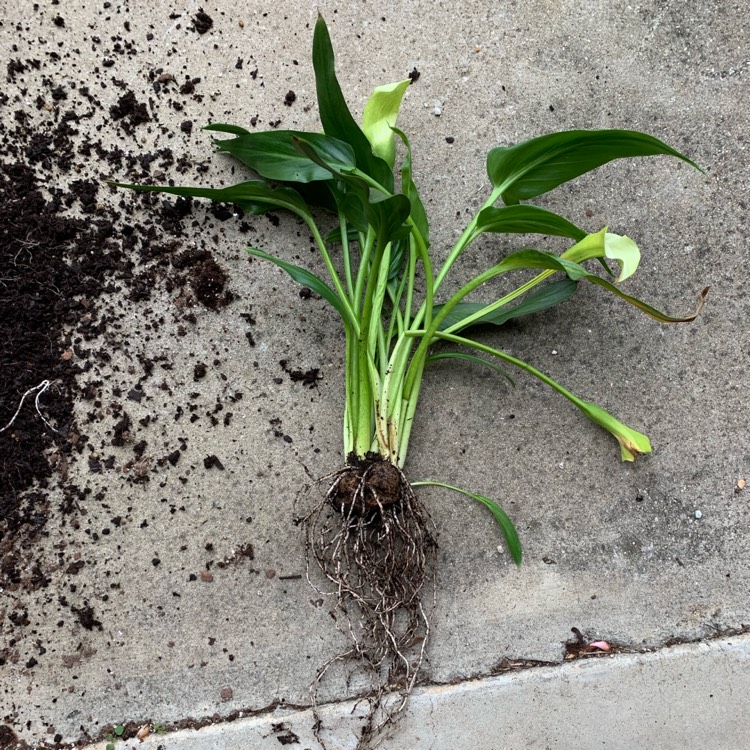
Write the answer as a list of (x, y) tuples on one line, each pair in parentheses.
[(503, 666)]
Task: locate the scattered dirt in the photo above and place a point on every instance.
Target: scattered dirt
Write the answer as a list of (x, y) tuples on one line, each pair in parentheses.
[(77, 399), (61, 252), (202, 22)]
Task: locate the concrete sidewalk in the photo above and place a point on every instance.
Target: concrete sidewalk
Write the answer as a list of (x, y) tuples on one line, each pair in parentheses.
[(680, 698), (173, 589)]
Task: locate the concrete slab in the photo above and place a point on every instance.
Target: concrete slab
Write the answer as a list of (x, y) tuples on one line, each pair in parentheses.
[(681, 698), (152, 608)]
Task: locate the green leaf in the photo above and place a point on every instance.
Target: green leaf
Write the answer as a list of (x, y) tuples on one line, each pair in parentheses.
[(530, 258), (506, 525), (352, 200), (538, 165), (470, 358), (221, 127), (388, 217), (254, 196), (319, 194), (357, 200), (632, 443), (273, 154), (330, 154), (305, 278), (525, 219), (502, 518), (398, 257), (379, 117), (538, 300), (334, 113)]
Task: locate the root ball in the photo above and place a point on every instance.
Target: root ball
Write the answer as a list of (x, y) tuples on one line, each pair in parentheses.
[(373, 541)]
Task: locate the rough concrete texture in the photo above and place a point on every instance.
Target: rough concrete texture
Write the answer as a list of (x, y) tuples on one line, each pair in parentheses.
[(187, 627), (620, 702)]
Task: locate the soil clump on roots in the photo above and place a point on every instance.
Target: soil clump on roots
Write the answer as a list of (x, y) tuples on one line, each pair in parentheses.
[(374, 543)]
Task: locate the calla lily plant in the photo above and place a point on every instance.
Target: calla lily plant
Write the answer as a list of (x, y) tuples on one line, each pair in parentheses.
[(379, 253)]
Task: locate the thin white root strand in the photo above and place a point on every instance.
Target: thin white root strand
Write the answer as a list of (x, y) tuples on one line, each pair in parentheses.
[(40, 389)]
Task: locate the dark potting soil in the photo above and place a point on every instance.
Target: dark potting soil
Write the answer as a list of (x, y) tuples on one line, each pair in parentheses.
[(70, 245), (59, 254), (61, 250)]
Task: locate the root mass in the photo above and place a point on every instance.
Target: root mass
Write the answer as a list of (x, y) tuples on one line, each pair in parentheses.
[(374, 543)]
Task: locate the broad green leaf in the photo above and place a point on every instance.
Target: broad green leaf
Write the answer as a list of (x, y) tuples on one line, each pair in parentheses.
[(538, 300), (330, 154), (254, 196), (353, 195), (273, 155), (305, 278), (379, 117), (538, 165), (409, 189), (388, 216), (470, 358), (335, 116), (319, 193), (352, 200), (386, 213), (525, 219)]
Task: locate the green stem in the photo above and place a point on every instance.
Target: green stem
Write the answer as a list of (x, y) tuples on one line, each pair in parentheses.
[(410, 287), (364, 262), (366, 375), (386, 431), (396, 321), (391, 400), (351, 402), (466, 239), (469, 319), (408, 408), (347, 256), (331, 269)]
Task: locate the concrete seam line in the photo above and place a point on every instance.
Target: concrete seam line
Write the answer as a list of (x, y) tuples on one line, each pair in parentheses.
[(280, 717)]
